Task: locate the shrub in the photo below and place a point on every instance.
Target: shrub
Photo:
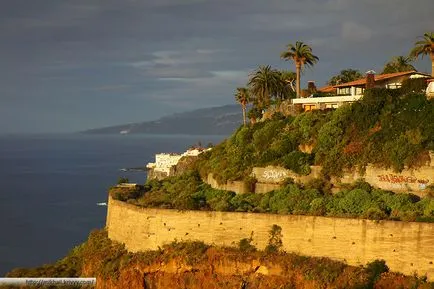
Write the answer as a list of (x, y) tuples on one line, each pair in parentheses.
[(362, 185), (191, 251), (428, 210), (219, 200), (123, 180), (374, 213), (318, 206), (278, 116), (355, 202), (375, 269), (125, 194), (417, 85), (320, 184), (275, 240), (298, 162), (245, 244), (245, 202), (152, 185)]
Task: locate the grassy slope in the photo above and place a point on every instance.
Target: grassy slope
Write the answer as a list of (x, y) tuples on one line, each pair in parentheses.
[(359, 200), (386, 128)]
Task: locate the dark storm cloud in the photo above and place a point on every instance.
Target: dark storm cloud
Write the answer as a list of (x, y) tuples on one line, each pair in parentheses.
[(70, 65)]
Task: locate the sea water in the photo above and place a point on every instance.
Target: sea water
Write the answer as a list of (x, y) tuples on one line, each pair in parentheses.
[(50, 186)]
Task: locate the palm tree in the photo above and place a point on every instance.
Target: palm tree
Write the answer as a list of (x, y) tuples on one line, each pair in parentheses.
[(263, 83), (398, 64), (344, 76), (286, 87), (302, 56), (242, 96), (425, 47)]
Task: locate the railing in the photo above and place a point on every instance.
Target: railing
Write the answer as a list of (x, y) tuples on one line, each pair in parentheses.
[(329, 99)]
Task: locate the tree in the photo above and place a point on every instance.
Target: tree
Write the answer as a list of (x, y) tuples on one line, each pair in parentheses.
[(263, 83), (286, 84), (254, 114), (344, 76), (275, 240), (122, 180), (425, 47), (398, 64), (302, 56), (242, 96)]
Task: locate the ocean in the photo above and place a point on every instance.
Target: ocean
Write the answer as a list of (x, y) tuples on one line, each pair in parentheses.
[(50, 185)]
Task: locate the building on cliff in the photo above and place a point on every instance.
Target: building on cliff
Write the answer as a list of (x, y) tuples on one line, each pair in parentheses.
[(430, 89), (166, 162), (352, 91)]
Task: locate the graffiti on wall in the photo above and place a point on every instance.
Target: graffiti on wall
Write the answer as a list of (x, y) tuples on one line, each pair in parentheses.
[(400, 181), (273, 175)]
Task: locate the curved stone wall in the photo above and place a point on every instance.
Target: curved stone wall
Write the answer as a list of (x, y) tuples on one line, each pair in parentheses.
[(407, 247)]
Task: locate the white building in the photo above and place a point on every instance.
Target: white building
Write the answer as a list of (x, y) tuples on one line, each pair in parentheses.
[(353, 91), (165, 161), (430, 89)]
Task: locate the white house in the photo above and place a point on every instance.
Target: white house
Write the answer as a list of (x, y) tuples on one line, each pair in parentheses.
[(430, 89), (353, 91), (165, 161)]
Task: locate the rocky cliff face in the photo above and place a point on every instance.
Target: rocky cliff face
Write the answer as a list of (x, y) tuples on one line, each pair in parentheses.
[(195, 265), (220, 270)]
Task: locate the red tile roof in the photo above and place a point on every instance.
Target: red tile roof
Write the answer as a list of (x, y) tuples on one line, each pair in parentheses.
[(378, 78), (327, 89)]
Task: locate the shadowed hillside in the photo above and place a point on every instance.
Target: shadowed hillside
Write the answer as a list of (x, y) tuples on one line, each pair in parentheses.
[(222, 120)]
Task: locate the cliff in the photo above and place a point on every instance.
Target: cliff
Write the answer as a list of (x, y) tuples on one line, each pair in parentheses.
[(195, 265)]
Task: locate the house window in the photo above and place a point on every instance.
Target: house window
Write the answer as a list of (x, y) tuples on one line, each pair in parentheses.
[(359, 90), (331, 105), (344, 91), (309, 107), (394, 85)]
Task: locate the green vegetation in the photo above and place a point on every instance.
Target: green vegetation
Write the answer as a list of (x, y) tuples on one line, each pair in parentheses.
[(375, 269), (387, 128), (398, 64), (302, 56), (268, 85), (122, 180), (425, 47), (359, 200), (245, 244), (242, 96), (344, 76), (275, 241)]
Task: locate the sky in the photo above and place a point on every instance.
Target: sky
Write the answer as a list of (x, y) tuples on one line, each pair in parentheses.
[(67, 66)]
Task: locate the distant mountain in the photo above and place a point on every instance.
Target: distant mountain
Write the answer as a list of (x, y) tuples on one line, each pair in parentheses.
[(221, 120)]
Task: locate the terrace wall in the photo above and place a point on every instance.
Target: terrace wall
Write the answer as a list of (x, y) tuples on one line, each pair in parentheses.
[(405, 246)]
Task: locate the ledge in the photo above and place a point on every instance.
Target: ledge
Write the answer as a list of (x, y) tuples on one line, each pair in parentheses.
[(330, 99)]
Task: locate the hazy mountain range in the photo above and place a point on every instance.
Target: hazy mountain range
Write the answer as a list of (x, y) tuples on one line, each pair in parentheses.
[(221, 120)]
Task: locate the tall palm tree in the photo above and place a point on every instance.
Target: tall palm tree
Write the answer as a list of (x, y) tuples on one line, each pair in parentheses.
[(242, 96), (302, 56), (425, 47), (263, 83), (398, 64)]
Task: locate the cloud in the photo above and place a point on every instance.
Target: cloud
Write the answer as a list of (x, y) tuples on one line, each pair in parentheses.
[(119, 87), (354, 32), (164, 56)]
